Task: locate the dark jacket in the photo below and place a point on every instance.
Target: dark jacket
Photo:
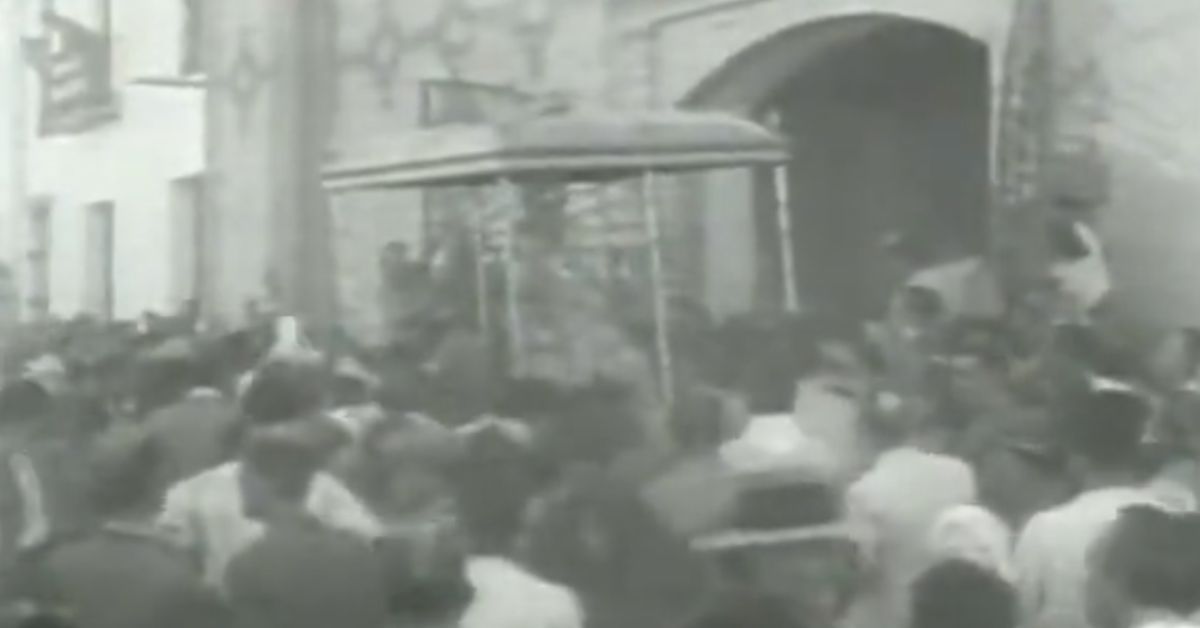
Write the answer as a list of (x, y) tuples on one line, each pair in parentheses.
[(599, 538), (302, 575), (191, 435), (124, 577)]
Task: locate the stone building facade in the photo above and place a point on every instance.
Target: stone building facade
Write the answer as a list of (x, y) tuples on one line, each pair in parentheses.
[(101, 221), (1124, 94)]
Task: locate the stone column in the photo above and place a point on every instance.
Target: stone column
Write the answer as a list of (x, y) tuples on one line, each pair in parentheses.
[(267, 132)]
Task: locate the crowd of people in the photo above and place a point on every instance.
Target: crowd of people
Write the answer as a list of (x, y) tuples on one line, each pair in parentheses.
[(942, 468)]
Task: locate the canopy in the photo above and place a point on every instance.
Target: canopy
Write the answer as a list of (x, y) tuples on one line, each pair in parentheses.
[(577, 146)]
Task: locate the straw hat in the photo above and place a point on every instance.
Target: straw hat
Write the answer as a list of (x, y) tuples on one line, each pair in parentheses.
[(785, 490)]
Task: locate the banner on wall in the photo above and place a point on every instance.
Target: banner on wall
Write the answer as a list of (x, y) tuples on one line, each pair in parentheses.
[(69, 45)]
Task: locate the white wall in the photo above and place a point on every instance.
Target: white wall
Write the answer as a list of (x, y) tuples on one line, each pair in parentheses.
[(131, 162)]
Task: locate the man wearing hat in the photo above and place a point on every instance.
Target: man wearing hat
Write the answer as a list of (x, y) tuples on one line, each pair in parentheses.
[(1104, 430), (125, 573), (193, 428), (283, 446), (913, 440), (786, 555)]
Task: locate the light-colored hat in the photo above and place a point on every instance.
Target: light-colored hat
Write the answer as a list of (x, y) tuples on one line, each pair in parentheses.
[(974, 534), (47, 371), (350, 368), (786, 490)]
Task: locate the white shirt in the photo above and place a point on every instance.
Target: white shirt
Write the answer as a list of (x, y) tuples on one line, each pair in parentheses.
[(1086, 279), (1051, 555), (207, 514), (508, 596), (833, 419), (898, 501)]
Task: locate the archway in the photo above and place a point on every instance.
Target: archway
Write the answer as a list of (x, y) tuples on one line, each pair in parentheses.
[(889, 121)]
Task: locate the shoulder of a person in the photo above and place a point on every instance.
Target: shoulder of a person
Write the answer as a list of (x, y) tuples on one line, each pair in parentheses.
[(217, 480), (1042, 526)]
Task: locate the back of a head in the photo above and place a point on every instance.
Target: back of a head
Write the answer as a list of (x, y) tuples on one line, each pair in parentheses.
[(122, 464), (1105, 428), (283, 391), (697, 420), (961, 594), (1154, 556), (23, 401)]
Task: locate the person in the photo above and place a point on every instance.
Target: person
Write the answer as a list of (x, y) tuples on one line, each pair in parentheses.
[(299, 571), (406, 477), (1103, 436), (1177, 475), (975, 534), (786, 556), (914, 442), (1145, 571), (42, 486), (692, 496), (494, 482), (962, 594), (966, 284), (124, 573), (829, 407), (282, 405), (193, 430), (1019, 465), (590, 528), (1079, 262)]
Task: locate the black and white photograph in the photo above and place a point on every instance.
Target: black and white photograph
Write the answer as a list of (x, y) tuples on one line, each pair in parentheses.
[(599, 314)]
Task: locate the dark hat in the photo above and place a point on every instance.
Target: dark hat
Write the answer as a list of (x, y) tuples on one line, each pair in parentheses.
[(283, 391)]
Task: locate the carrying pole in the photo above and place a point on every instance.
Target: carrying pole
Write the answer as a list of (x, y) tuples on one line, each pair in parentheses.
[(479, 231), (784, 216), (657, 287), (512, 205)]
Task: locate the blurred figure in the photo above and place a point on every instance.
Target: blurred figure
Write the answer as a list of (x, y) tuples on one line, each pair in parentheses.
[(1103, 437), (1145, 571), (300, 572), (899, 518), (125, 573), (42, 478), (976, 535), (193, 431), (693, 495), (829, 407), (785, 556), (1019, 464), (283, 446), (962, 594), (495, 481), (591, 530)]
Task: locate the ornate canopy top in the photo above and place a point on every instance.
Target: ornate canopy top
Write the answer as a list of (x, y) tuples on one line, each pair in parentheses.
[(561, 144)]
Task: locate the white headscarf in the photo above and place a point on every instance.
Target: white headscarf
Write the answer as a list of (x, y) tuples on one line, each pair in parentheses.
[(975, 534)]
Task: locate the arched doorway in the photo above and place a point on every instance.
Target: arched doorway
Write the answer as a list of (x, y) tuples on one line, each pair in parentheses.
[(889, 121)]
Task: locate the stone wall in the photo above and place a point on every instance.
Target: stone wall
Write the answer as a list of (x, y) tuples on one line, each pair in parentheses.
[(385, 50), (1136, 95)]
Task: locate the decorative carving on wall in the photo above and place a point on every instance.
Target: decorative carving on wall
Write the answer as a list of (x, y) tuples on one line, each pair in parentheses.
[(248, 74), (452, 36), (535, 25)]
